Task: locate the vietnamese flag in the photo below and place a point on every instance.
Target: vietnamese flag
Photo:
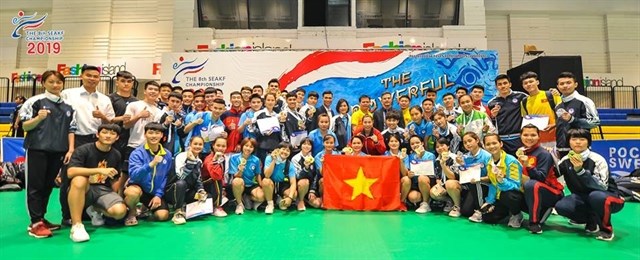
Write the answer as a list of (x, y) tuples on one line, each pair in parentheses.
[(361, 183)]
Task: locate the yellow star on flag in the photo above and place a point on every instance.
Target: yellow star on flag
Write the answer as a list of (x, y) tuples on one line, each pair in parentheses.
[(361, 185)]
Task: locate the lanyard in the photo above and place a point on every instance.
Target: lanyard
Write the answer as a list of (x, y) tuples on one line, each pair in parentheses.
[(464, 118), (294, 114)]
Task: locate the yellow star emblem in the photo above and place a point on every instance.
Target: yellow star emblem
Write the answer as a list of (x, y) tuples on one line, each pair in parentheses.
[(361, 185)]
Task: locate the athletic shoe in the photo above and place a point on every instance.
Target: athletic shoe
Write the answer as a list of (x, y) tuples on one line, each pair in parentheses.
[(592, 228), (546, 215), (424, 208), (476, 217), (130, 221), (39, 230), (269, 209), (219, 212), (239, 209), (50, 225), (247, 202), (515, 221), (455, 212), (448, 206), (535, 228), (78, 234), (178, 218), (96, 217), (575, 223), (301, 206), (605, 236)]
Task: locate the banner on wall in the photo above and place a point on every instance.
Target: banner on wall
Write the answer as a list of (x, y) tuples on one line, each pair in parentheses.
[(348, 74), (623, 156), (27, 26)]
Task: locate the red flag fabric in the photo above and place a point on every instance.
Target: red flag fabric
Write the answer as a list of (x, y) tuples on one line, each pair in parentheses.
[(361, 183)]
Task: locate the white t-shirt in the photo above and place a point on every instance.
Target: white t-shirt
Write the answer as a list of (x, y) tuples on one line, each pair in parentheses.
[(136, 137)]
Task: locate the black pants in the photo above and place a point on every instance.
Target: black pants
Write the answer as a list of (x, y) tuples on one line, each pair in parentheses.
[(595, 207), (178, 193), (42, 169), (64, 186), (214, 188), (540, 197), (510, 203), (472, 198)]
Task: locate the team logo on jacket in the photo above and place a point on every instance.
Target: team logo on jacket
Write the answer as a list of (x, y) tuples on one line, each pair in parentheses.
[(68, 113), (532, 161), (571, 110), (515, 100)]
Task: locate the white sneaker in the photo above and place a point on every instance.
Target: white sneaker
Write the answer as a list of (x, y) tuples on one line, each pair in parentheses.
[(96, 217), (239, 209), (424, 208), (269, 209), (78, 234), (455, 212), (178, 218), (515, 221), (219, 212), (476, 217)]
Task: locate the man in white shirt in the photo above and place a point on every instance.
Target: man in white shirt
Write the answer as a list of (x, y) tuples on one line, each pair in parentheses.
[(142, 112), (92, 109)]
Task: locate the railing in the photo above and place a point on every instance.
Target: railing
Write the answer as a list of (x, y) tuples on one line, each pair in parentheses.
[(614, 97), (23, 87), (105, 86), (5, 89), (9, 89)]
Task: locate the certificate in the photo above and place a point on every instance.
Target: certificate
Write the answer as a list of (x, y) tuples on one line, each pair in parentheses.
[(468, 173), (269, 124), (296, 137), (540, 121), (211, 133), (199, 208), (422, 167)]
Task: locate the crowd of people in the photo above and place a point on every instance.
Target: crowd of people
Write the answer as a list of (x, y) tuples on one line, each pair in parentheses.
[(120, 158)]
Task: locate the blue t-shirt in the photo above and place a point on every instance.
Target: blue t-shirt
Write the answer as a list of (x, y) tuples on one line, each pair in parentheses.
[(413, 158), (405, 161), (207, 125), (317, 140), (482, 157), (251, 169), (247, 133), (318, 162), (278, 174), (422, 130)]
